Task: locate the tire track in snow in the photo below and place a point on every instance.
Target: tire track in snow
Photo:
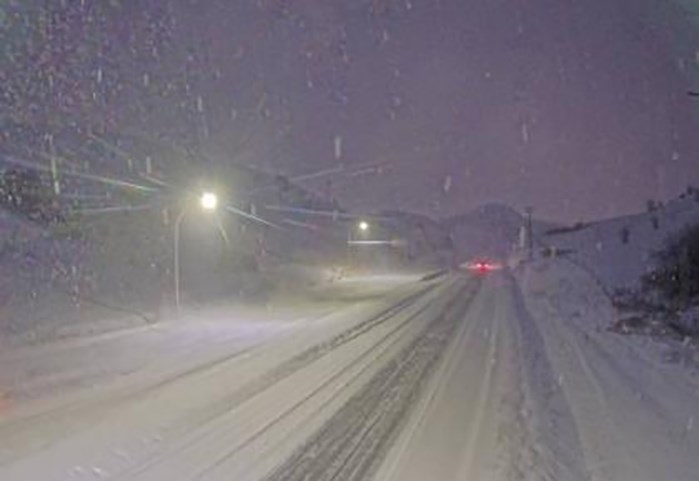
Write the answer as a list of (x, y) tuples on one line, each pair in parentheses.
[(419, 416), (455, 431), (212, 412), (485, 397), (353, 442), (97, 410), (552, 437)]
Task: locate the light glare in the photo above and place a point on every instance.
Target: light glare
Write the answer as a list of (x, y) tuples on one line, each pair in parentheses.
[(209, 201)]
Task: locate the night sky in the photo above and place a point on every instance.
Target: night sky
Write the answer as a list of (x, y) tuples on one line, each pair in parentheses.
[(578, 108)]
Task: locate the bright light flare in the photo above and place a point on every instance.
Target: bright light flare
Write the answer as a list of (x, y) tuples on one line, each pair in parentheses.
[(482, 267), (208, 201), (363, 226)]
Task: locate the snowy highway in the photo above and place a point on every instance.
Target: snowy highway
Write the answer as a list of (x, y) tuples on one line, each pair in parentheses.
[(331, 240), (501, 376)]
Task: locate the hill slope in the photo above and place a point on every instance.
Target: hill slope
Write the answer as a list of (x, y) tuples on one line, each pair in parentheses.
[(619, 251)]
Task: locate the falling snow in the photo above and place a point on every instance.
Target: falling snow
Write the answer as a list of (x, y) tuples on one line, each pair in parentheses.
[(338, 147), (118, 116)]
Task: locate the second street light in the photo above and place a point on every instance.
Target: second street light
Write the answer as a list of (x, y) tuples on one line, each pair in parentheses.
[(208, 203), (362, 228)]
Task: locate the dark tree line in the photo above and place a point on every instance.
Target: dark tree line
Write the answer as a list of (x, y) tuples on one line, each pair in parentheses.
[(25, 192), (676, 276)]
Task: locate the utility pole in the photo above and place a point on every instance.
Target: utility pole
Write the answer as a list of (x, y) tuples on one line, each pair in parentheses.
[(54, 165), (530, 233)]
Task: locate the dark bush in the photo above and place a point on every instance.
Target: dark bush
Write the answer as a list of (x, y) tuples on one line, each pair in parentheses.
[(625, 234), (676, 276), (24, 191)]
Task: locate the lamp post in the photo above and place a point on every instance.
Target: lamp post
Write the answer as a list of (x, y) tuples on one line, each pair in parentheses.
[(208, 202), (363, 228)]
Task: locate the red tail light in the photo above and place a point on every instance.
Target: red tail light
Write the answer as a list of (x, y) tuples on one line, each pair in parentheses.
[(483, 267)]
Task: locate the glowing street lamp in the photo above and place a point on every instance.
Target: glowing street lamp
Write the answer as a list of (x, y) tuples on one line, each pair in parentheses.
[(362, 228), (208, 202)]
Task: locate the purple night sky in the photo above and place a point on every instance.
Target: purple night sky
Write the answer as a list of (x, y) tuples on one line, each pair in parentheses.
[(578, 108)]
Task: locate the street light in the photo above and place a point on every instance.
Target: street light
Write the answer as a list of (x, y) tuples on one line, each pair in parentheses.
[(363, 227), (208, 202)]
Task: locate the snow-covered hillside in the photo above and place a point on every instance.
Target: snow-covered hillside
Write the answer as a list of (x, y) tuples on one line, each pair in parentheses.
[(619, 251)]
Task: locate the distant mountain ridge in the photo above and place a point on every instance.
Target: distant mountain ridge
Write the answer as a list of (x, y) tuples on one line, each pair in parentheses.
[(489, 231)]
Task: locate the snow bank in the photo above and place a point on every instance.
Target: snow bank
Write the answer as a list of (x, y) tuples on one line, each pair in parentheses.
[(566, 290), (630, 406)]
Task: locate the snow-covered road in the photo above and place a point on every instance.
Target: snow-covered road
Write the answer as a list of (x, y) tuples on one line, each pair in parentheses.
[(501, 377)]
